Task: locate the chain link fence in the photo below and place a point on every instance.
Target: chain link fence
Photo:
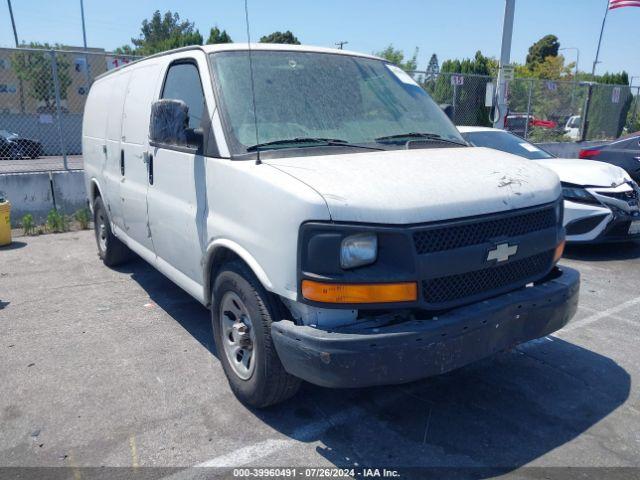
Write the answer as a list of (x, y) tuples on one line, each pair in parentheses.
[(43, 92), (42, 97), (539, 110)]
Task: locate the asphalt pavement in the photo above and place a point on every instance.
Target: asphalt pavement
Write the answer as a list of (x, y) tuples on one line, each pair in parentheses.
[(102, 367)]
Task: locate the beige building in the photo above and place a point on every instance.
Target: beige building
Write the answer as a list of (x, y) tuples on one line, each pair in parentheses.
[(80, 67)]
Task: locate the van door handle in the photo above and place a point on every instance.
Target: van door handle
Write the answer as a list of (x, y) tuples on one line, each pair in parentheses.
[(122, 162), (150, 166)]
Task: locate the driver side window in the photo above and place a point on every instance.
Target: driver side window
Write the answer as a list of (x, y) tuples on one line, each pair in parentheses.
[(183, 83)]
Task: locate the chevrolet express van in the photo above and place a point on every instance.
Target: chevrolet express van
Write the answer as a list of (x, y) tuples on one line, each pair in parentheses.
[(326, 211)]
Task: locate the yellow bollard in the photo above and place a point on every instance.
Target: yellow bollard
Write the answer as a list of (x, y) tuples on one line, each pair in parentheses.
[(5, 222)]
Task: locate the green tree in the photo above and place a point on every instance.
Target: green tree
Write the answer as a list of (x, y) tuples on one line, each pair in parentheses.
[(281, 37), (218, 36), (468, 98), (163, 32), (547, 46), (125, 50), (397, 58), (34, 70), (434, 67)]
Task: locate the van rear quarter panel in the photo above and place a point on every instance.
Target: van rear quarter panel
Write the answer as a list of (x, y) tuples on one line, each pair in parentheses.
[(94, 125)]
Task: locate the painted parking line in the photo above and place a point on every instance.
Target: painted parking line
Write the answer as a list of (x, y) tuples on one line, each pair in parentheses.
[(595, 317)]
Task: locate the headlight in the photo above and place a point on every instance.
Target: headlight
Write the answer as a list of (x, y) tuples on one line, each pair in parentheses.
[(577, 194), (358, 250)]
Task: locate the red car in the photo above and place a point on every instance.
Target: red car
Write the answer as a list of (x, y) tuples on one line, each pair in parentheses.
[(516, 122)]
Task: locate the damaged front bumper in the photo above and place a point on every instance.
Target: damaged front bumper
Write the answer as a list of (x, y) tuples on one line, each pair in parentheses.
[(403, 352)]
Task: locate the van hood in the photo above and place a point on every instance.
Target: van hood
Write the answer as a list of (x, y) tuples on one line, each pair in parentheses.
[(414, 186), (588, 173)]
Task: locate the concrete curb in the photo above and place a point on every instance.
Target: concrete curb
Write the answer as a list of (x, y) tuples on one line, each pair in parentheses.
[(38, 192)]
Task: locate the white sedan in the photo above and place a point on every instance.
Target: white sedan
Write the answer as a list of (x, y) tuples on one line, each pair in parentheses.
[(601, 200)]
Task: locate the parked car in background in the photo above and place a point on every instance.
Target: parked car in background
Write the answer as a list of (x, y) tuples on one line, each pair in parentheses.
[(13, 145), (601, 201), (624, 153), (572, 127), (516, 123), (327, 212)]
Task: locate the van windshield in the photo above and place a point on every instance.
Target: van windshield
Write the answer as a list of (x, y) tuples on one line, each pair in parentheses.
[(338, 99)]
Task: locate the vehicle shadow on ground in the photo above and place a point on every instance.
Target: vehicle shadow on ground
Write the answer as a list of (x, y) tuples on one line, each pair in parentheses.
[(480, 421), (189, 313), (604, 252)]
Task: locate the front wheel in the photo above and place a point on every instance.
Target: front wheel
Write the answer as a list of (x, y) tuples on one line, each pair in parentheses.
[(241, 315), (111, 250)]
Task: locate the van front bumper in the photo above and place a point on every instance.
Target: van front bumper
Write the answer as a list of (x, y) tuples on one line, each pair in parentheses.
[(411, 350)]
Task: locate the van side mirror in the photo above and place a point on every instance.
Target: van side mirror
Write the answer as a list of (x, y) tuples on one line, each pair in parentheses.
[(169, 125)]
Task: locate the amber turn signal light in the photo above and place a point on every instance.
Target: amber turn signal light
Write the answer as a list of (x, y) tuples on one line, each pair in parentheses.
[(359, 292), (559, 251)]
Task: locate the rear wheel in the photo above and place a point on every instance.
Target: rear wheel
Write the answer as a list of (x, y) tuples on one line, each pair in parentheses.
[(111, 250), (241, 314)]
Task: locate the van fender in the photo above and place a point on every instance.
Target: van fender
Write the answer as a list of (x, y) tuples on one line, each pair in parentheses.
[(225, 244), (94, 192)]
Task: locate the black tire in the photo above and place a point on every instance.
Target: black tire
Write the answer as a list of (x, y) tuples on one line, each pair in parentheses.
[(110, 250), (269, 383)]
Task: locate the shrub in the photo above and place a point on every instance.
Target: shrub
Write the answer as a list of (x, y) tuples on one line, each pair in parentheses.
[(57, 222), (83, 217), (28, 225)]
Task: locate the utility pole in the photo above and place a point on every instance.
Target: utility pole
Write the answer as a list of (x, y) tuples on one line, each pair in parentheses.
[(341, 44), (505, 58), (15, 37), (13, 24), (86, 57)]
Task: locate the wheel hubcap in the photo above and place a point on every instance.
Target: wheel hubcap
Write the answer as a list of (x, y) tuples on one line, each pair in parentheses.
[(102, 231), (238, 336)]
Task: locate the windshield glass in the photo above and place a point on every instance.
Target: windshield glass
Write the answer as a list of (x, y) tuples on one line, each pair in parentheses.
[(323, 96), (506, 142)]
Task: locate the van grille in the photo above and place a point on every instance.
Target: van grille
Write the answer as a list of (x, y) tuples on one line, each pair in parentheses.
[(465, 285), (456, 236)]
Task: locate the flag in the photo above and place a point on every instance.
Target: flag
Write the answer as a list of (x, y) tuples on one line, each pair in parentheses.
[(623, 3)]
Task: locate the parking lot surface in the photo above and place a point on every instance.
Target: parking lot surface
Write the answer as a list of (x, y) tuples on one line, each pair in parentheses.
[(42, 164), (103, 367)]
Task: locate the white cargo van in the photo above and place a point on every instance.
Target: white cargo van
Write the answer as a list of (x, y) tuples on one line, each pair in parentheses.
[(327, 212)]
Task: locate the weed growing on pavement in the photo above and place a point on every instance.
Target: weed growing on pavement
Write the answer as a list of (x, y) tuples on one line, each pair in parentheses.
[(28, 225), (57, 222), (83, 217)]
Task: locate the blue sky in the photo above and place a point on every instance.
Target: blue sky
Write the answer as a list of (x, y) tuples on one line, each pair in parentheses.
[(450, 28)]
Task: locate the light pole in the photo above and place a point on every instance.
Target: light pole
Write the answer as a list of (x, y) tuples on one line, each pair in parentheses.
[(575, 76), (341, 44), (577, 56)]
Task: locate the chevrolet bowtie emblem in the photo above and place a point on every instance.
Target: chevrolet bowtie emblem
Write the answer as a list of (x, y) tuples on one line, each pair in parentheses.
[(502, 252)]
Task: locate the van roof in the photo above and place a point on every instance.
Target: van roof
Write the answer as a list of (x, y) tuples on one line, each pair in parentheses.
[(227, 47)]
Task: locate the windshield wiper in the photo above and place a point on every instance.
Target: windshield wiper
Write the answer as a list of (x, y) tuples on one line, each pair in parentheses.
[(314, 141), (422, 136)]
